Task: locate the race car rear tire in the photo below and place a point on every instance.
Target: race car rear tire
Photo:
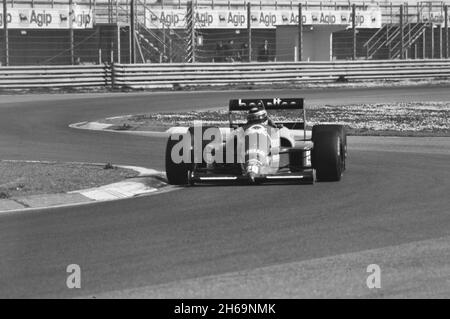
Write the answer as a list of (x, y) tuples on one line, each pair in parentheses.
[(326, 155), (176, 173), (343, 135)]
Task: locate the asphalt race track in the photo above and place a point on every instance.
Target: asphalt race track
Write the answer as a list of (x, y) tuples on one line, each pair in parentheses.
[(394, 193)]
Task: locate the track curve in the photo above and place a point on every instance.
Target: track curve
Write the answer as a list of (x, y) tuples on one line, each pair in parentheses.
[(393, 193)]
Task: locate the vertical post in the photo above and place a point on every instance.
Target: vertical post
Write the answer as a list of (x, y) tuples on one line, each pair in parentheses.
[(170, 50), (424, 44), (145, 11), (164, 40), (387, 39), (249, 31), (5, 33), (71, 37), (117, 11), (190, 31), (390, 13), (440, 41), (300, 33), (118, 44), (402, 34), (132, 33), (432, 40), (408, 46), (193, 39), (446, 31), (354, 31), (419, 19)]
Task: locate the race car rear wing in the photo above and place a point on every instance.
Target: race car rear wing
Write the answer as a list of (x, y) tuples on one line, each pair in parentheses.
[(269, 104)]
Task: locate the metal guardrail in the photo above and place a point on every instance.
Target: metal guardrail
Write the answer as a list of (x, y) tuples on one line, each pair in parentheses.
[(219, 74), (55, 76), (169, 75)]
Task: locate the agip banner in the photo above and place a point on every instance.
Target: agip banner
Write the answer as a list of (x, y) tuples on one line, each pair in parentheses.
[(48, 18), (207, 18)]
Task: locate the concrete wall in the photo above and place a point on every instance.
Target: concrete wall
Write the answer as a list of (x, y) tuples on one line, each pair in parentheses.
[(317, 42), (207, 52), (286, 42)]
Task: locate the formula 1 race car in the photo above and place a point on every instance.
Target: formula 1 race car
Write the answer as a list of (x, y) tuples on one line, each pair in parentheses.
[(259, 150)]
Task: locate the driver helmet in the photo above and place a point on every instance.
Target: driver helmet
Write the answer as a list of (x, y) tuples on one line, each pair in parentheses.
[(256, 114)]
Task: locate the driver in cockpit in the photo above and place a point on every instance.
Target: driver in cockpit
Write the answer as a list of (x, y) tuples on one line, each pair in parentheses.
[(258, 115)]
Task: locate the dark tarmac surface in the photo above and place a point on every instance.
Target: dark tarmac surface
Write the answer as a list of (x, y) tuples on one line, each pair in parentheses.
[(394, 192)]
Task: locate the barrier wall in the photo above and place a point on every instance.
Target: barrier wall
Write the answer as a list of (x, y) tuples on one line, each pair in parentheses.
[(222, 74), (55, 76), (139, 76)]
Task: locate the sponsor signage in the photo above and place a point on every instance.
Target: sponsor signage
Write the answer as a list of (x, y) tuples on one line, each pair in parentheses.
[(207, 18), (48, 18), (170, 18)]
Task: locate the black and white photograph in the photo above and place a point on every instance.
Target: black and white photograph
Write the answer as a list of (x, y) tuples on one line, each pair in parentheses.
[(231, 157)]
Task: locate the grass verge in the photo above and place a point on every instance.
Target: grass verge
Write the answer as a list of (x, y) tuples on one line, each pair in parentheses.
[(33, 178)]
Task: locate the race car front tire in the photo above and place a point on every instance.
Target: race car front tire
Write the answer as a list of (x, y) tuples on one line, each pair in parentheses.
[(327, 154), (176, 173), (343, 135)]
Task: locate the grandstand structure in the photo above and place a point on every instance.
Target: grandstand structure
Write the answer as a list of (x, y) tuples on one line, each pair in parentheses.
[(40, 32)]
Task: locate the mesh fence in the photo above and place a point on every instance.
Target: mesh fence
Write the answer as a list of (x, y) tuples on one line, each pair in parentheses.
[(162, 36)]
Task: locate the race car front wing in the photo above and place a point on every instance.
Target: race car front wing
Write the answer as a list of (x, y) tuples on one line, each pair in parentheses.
[(307, 176)]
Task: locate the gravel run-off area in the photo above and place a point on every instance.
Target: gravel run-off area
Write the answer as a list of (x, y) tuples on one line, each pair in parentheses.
[(393, 119)]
